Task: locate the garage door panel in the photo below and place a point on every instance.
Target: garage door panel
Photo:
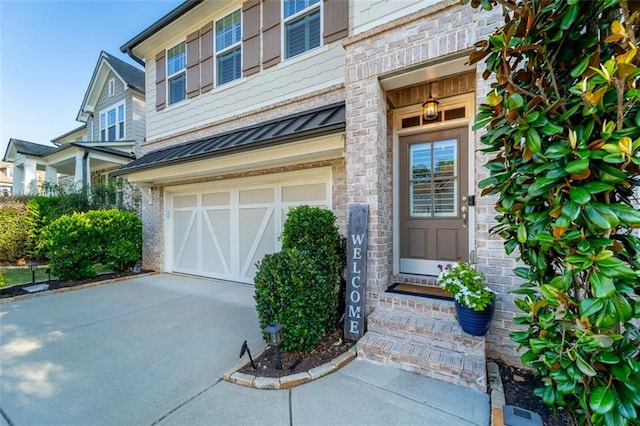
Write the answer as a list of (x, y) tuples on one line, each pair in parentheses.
[(304, 193), (216, 241), (264, 242), (223, 231), (186, 240), (257, 236)]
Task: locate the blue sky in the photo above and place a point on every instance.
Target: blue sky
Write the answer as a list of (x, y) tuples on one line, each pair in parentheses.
[(48, 51)]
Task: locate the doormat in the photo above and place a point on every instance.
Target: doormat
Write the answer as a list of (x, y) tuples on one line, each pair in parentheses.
[(420, 291)]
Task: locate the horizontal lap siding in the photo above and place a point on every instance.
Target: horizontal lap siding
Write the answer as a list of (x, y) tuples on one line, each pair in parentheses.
[(270, 86)]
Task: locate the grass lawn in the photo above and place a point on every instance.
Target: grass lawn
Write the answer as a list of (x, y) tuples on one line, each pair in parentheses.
[(23, 275)]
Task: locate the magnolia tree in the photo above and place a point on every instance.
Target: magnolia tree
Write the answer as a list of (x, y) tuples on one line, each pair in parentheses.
[(562, 138)]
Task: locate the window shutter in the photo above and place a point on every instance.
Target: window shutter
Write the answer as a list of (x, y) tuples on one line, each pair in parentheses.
[(336, 20), (161, 81), (206, 57), (193, 64), (251, 37), (271, 10)]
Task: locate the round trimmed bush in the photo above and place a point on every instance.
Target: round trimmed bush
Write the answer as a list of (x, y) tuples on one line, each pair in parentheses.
[(299, 286)]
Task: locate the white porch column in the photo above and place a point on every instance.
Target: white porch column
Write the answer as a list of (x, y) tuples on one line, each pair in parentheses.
[(30, 177), (18, 179), (51, 175), (78, 176)]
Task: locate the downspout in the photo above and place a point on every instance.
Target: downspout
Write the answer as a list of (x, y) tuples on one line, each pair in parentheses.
[(85, 168), (134, 57)]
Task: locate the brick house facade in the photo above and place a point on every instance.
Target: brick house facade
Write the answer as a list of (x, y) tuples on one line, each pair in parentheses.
[(360, 97)]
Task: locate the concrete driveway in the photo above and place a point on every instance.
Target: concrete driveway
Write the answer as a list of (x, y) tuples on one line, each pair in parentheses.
[(152, 351)]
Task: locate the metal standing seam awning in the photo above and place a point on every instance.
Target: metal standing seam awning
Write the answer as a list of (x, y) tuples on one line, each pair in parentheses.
[(318, 122)]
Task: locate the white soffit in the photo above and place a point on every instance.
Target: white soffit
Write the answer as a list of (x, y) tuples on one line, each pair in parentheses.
[(428, 72)]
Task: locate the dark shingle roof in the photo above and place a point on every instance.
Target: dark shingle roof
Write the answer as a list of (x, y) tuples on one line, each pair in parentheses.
[(31, 148), (133, 77), (308, 124)]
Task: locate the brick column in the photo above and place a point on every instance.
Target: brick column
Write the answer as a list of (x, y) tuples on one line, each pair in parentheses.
[(152, 230), (367, 175)]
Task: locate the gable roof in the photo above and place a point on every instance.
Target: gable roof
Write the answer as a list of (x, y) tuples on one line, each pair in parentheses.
[(132, 77), (156, 27), (69, 133), (321, 121), (18, 146)]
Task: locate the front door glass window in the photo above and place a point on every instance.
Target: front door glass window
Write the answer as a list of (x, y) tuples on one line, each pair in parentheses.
[(433, 179)]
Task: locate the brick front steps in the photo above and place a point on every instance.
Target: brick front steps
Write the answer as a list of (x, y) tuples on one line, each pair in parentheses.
[(422, 335)]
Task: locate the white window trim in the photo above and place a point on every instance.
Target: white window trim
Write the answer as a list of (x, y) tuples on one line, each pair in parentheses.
[(285, 21), (10, 172), (226, 49), (175, 74), (111, 87), (124, 120)]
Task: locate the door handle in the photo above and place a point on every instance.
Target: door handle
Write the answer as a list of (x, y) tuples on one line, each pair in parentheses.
[(464, 210)]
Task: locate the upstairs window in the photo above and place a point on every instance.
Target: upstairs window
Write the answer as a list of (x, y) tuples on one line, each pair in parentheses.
[(112, 125), (9, 172), (301, 26), (176, 73), (112, 86), (228, 48)]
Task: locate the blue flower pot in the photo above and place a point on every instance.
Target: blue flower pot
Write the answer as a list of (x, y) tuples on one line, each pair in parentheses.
[(475, 323)]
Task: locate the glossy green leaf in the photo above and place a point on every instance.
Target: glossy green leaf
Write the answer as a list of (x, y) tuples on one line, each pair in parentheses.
[(602, 400), (601, 216), (577, 167), (522, 234), (533, 140), (589, 307), (601, 285), (623, 307), (584, 367), (597, 187), (581, 67), (580, 195)]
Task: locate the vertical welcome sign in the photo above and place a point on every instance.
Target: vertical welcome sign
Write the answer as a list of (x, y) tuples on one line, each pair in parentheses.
[(356, 271)]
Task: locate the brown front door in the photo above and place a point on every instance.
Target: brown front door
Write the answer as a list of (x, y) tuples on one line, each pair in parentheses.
[(433, 200)]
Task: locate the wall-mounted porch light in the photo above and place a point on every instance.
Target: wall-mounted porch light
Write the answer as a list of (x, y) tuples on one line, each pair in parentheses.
[(430, 108)]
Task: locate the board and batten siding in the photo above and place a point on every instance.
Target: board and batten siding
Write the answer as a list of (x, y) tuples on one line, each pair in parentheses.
[(310, 72)]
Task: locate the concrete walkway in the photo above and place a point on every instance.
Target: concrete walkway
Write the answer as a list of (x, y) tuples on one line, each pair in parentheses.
[(152, 351)]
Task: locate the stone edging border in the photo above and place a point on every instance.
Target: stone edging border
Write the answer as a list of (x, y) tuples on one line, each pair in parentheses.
[(496, 393), (78, 287), (291, 380)]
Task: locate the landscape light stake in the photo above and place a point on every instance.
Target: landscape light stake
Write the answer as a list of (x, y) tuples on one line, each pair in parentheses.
[(33, 266), (245, 348), (273, 334)]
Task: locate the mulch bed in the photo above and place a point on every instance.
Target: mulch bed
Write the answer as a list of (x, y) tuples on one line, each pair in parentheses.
[(330, 346), (518, 391), (18, 290)]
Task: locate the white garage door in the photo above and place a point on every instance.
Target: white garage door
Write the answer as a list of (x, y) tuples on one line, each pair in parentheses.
[(222, 230)]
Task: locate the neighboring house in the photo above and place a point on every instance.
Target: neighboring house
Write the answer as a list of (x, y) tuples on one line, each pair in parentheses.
[(6, 178), (112, 113), (257, 106)]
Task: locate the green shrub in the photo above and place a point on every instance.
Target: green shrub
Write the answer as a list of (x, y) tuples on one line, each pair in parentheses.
[(299, 286), (3, 278), (75, 243), (70, 243), (290, 290), (15, 236), (563, 143), (119, 236)]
